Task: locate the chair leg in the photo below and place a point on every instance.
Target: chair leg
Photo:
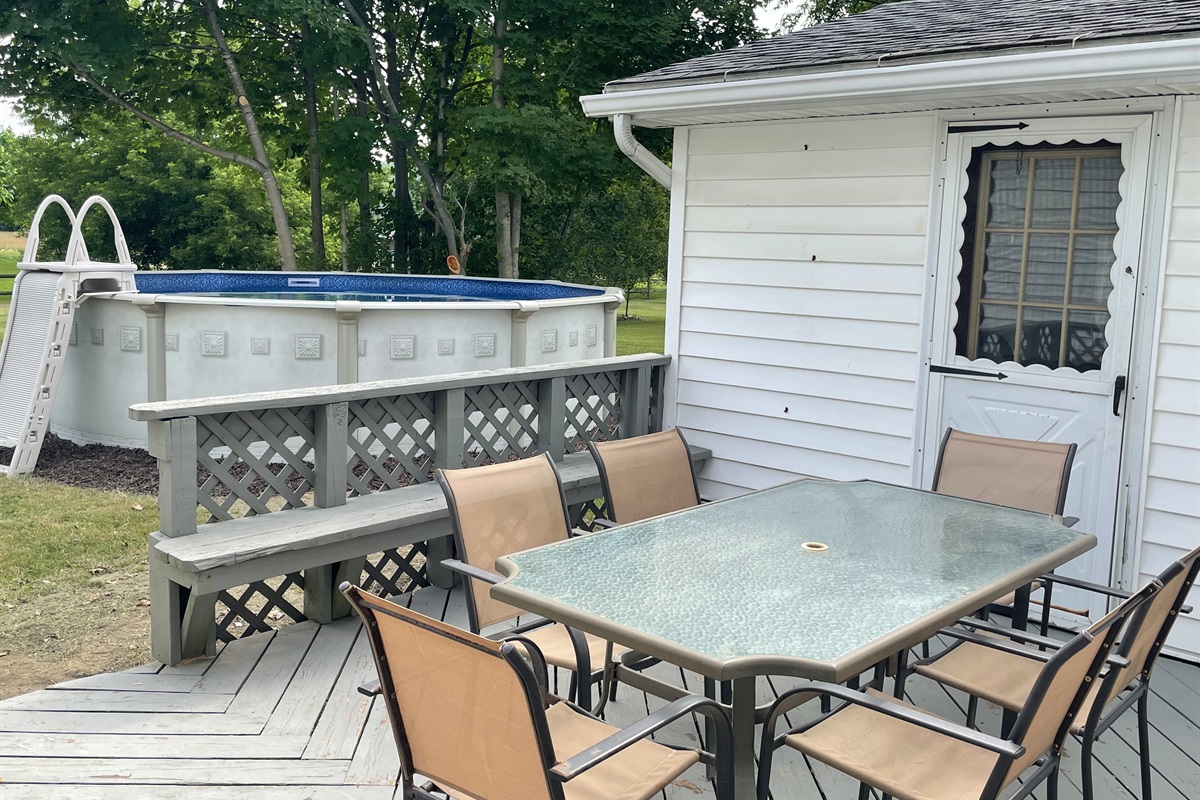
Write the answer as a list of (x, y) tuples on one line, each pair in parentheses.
[(1144, 740), (972, 710), (1085, 767), (1052, 784), (864, 792)]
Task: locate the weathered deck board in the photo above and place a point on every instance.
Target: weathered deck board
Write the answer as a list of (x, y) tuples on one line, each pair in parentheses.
[(296, 727)]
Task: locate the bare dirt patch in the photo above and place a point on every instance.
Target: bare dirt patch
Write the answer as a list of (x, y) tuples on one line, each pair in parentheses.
[(71, 632)]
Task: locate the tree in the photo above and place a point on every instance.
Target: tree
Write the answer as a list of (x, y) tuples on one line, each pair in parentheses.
[(146, 58), (818, 11), (178, 207)]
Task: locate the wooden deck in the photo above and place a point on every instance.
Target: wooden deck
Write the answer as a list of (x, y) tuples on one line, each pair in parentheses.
[(278, 716)]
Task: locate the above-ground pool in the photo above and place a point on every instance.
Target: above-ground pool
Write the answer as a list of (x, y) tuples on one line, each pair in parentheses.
[(232, 332)]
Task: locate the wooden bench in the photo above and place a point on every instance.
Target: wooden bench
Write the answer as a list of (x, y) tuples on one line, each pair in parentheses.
[(328, 544)]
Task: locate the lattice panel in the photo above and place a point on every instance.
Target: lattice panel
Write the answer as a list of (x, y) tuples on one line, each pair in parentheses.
[(261, 458), (593, 408), (396, 571), (391, 442), (583, 516), (260, 606), (500, 419)]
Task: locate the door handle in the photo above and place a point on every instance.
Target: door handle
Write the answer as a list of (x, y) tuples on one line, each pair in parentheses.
[(1118, 390)]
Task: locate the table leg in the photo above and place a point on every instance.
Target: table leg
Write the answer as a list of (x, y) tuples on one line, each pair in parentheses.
[(744, 698), (1020, 621)]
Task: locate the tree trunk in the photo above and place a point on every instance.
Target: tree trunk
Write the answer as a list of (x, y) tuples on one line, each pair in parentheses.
[(314, 157), (287, 251), (508, 204)]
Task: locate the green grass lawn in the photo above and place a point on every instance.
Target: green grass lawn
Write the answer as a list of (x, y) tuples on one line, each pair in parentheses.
[(8, 269), (644, 330)]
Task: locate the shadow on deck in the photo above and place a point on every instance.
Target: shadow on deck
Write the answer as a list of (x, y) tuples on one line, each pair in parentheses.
[(279, 716)]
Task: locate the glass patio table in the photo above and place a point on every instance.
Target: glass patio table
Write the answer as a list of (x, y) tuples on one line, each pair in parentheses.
[(815, 579)]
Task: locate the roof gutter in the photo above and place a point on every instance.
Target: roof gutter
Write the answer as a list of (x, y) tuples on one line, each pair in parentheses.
[(1110, 66), (650, 164)]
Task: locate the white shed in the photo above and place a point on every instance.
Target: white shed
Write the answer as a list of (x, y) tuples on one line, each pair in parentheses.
[(944, 212)]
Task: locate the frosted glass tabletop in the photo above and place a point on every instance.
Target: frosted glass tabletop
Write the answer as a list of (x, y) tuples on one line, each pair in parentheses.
[(728, 589)]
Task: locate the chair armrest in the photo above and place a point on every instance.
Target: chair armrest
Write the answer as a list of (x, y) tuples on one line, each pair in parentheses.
[(1024, 637), (1085, 585), (604, 523), (1070, 522), (463, 568), (571, 767), (912, 716), (1113, 659), (371, 689)]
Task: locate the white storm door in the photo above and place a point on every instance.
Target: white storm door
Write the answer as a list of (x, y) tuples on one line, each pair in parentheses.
[(1037, 275)]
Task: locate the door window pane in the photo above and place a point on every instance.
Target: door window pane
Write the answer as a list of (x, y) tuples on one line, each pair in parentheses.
[(1093, 261), (1053, 192), (1002, 266), (1041, 336), (1098, 195), (1039, 254), (1085, 339), (1006, 200), (997, 328), (1046, 273)]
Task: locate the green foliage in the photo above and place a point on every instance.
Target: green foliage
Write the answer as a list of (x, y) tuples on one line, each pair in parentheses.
[(436, 66), (828, 10), (178, 208)]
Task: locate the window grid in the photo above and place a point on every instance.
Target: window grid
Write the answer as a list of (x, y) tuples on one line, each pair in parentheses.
[(1027, 230)]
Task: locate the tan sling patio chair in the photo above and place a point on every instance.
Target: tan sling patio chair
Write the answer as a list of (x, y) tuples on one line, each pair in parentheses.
[(472, 717), (645, 476), (1018, 473), (1009, 472), (1003, 673), (909, 754), (501, 509)]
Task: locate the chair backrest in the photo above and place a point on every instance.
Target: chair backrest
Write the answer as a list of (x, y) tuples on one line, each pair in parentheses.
[(1147, 630), (1064, 681), (645, 476), (1010, 472), (466, 712), (498, 510)]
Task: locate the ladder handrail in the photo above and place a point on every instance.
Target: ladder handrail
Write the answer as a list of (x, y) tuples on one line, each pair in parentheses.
[(35, 238), (77, 249)]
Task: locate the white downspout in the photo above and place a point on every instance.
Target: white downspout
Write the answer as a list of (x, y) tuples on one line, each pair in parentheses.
[(623, 132)]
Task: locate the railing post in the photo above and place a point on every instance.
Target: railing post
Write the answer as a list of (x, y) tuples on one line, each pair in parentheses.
[(156, 347), (173, 443), (448, 425), (172, 617), (322, 601), (635, 403), (330, 457), (552, 417), (658, 377), (347, 340)]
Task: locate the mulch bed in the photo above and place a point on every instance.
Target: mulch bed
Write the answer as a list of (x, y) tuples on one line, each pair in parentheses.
[(94, 466)]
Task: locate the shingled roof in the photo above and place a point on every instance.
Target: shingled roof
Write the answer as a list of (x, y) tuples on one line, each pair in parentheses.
[(921, 30)]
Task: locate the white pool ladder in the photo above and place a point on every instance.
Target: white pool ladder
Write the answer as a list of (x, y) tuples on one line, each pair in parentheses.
[(44, 298)]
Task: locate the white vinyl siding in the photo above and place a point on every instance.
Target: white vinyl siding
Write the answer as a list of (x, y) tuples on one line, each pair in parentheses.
[(1171, 511), (801, 298)]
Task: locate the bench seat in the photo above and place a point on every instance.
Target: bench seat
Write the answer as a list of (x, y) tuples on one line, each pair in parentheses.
[(328, 544)]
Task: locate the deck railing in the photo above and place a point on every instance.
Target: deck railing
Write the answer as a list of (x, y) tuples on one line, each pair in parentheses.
[(222, 458)]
